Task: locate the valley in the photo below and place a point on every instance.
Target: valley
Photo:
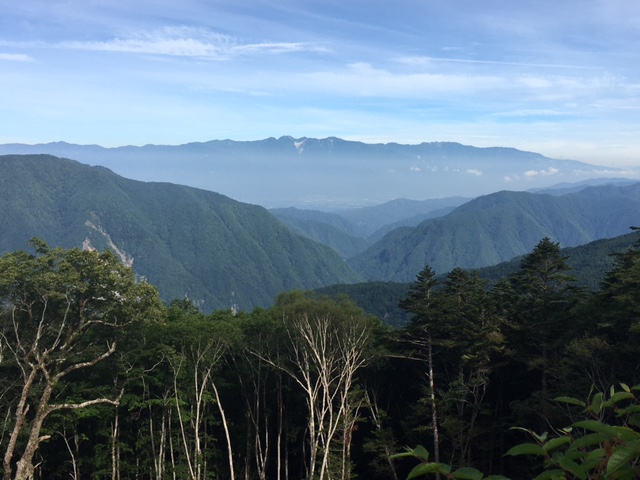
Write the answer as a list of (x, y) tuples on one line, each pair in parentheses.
[(221, 253)]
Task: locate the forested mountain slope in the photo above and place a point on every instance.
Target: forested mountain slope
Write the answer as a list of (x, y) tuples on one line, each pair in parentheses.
[(497, 227), (328, 228), (367, 221), (186, 241), (351, 231), (589, 264)]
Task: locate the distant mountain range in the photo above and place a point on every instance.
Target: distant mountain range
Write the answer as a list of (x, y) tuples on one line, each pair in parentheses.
[(188, 242), (220, 252), (351, 231), (497, 227), (329, 173)]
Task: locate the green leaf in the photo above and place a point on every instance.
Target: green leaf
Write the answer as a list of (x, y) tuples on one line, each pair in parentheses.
[(395, 456), (596, 454), (556, 442), (420, 470), (542, 437), (622, 455), (588, 440), (625, 387), (627, 434), (571, 401), (595, 426), (426, 468), (572, 467), (617, 397), (421, 453), (596, 403), (551, 475), (629, 409), (467, 473), (527, 449)]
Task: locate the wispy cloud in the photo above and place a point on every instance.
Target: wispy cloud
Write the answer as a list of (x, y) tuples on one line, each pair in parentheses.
[(426, 61), (541, 173), (549, 91), (532, 112), (363, 79), (191, 42), (473, 171), (15, 57)]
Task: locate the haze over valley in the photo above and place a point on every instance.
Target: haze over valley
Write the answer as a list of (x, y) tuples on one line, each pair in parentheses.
[(332, 173)]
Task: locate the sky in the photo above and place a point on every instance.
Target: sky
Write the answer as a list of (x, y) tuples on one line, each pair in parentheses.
[(557, 78)]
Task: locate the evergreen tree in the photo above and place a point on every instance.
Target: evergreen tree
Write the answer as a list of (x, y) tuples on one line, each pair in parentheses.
[(618, 314), (471, 333), (421, 302), (544, 296)]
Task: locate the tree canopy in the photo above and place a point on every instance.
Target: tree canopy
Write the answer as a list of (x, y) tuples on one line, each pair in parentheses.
[(100, 380)]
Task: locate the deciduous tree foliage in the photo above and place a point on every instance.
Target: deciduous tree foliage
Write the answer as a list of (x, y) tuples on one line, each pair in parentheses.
[(62, 312), (98, 380)]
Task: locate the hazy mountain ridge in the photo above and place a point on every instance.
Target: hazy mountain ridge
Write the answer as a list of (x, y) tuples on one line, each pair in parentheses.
[(184, 240), (497, 227), (327, 228), (589, 264), (574, 187), (330, 172), (351, 231)]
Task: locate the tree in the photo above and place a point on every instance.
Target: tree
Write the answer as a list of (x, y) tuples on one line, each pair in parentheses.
[(421, 303), (471, 336), (328, 343), (544, 297), (456, 330), (63, 312), (617, 307), (604, 444)]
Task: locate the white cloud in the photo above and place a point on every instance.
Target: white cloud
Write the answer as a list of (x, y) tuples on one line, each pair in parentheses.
[(430, 61), (363, 79), (415, 169), (531, 112), (15, 57), (473, 171), (191, 42), (541, 173)]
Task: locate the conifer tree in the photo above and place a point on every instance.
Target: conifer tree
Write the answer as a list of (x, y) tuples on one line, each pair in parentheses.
[(544, 296), (421, 302)]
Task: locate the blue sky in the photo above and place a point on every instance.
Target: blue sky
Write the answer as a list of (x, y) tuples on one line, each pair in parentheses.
[(558, 78)]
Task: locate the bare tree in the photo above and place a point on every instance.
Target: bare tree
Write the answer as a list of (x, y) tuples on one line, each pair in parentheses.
[(202, 344), (328, 344)]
